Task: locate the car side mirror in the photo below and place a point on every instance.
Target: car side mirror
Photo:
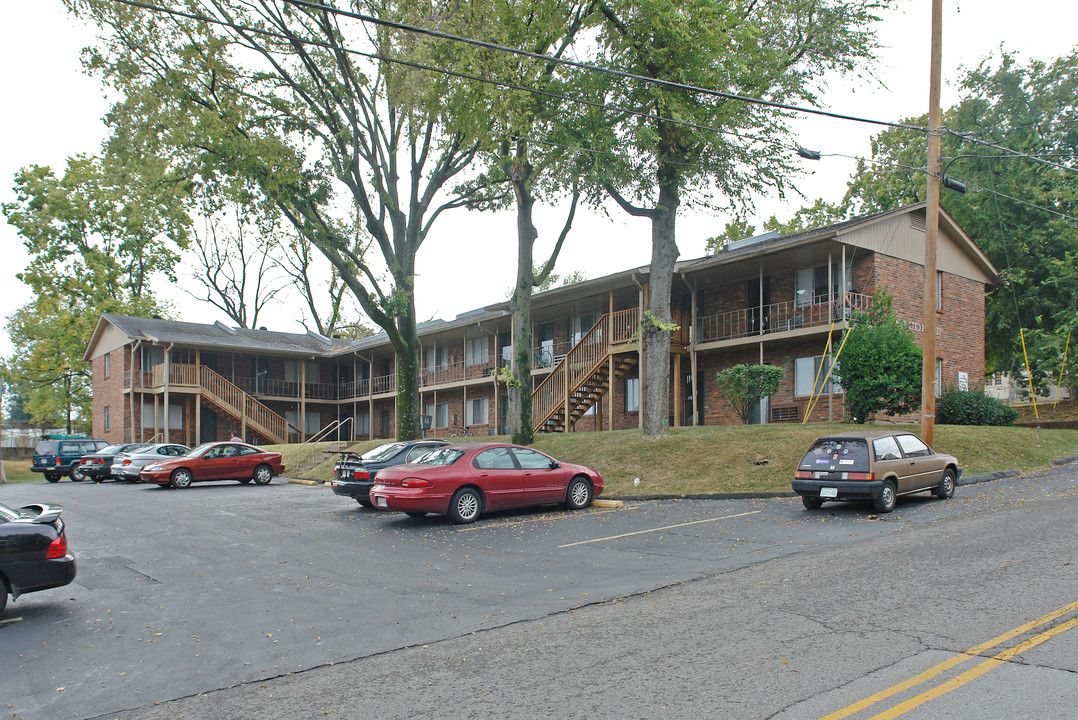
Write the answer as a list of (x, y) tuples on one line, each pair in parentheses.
[(554, 465)]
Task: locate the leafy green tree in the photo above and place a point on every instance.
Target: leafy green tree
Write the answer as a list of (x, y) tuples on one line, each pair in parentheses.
[(302, 104), (743, 386), (778, 50), (880, 363), (1010, 136)]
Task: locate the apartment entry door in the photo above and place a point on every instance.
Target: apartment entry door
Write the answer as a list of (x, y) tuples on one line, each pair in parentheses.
[(757, 302)]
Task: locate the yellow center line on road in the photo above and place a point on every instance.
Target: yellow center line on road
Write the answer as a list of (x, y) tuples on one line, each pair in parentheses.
[(950, 663), (658, 529), (975, 672)]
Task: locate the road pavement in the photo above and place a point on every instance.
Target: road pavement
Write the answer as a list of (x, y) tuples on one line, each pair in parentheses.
[(287, 601)]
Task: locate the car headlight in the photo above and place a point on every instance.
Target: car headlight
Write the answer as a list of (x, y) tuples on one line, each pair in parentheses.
[(152, 468)]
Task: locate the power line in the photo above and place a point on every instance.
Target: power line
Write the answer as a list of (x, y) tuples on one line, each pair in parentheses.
[(597, 68), (1012, 153), (450, 73)]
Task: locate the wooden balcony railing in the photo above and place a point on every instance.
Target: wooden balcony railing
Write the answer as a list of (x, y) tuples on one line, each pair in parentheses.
[(776, 317)]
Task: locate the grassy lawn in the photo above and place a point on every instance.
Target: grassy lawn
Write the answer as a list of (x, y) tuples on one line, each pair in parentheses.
[(724, 459), (19, 471)]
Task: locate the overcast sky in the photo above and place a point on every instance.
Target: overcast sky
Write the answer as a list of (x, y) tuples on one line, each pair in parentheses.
[(54, 111)]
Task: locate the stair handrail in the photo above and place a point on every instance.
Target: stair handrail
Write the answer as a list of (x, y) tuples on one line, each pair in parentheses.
[(242, 404), (335, 425), (582, 360)]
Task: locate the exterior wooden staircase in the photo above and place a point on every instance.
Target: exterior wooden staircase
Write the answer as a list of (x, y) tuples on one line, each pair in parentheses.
[(239, 405), (587, 372)]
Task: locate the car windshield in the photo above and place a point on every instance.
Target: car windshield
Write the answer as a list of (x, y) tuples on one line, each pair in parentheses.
[(382, 452), (200, 450), (842, 453), (46, 447), (440, 456), (111, 449)]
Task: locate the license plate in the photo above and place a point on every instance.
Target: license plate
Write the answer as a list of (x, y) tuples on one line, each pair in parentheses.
[(380, 502), (828, 492)]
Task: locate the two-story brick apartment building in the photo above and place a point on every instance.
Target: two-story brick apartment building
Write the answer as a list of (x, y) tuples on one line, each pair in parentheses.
[(766, 299)]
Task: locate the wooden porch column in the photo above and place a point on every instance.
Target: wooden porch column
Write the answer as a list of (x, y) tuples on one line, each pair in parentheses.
[(198, 398), (692, 359), (303, 399), (168, 370), (679, 391)]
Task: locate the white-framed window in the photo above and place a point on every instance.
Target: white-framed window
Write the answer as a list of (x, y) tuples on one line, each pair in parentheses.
[(108, 368), (314, 422), (108, 416), (476, 351), (632, 394), (811, 287), (434, 358), (939, 290), (476, 411), (939, 377), (440, 415), (810, 371), (363, 423), (581, 325)]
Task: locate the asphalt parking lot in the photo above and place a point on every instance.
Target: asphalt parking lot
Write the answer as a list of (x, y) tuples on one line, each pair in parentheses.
[(183, 592)]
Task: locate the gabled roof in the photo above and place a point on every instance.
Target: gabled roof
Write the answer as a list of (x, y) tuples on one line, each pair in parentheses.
[(215, 336)]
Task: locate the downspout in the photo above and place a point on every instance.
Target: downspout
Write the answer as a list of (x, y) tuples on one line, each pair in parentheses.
[(692, 346), (168, 370), (640, 353), (137, 348)]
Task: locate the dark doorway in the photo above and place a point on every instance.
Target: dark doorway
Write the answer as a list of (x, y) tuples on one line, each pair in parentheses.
[(758, 310), (385, 424), (208, 430)]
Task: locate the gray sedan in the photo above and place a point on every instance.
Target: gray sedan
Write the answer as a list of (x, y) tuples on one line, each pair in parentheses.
[(126, 467)]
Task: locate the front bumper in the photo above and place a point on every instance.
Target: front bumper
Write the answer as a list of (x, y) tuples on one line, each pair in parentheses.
[(844, 489)]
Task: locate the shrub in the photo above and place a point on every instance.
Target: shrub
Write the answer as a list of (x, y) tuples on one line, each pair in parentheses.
[(743, 386), (972, 407)]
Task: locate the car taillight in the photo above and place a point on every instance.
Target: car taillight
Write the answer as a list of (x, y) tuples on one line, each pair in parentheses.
[(126, 462), (416, 483), (804, 475), (57, 548), (860, 476), (57, 460), (361, 475)]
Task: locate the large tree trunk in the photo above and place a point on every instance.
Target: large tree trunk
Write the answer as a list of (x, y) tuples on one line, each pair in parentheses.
[(520, 387), (656, 323), (408, 410)]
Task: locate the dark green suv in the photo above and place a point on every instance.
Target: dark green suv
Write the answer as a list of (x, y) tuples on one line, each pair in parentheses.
[(56, 457)]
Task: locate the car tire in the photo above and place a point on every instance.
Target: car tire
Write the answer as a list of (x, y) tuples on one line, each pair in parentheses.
[(243, 481), (263, 474), (180, 478), (52, 478), (3, 596), (76, 474), (466, 506), (811, 503), (365, 502), (578, 494), (946, 487), (414, 513), (887, 499)]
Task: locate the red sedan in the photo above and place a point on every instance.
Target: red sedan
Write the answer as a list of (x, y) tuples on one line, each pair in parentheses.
[(463, 481), (215, 461)]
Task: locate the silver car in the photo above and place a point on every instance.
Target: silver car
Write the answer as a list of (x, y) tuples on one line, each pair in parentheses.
[(126, 467), (873, 465)]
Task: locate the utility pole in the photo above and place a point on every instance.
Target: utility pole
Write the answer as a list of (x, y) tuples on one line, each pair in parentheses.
[(928, 370)]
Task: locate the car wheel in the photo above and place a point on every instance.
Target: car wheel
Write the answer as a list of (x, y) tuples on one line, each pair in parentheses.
[(811, 503), (52, 478), (578, 494), (76, 473), (885, 503), (946, 487), (366, 502), (414, 513), (465, 506), (3, 596), (263, 474), (181, 478)]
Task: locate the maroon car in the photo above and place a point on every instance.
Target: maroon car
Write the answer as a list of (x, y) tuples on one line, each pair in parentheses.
[(215, 461), (463, 481)]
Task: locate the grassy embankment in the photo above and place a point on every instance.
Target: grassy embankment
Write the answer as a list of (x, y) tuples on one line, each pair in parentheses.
[(723, 459)]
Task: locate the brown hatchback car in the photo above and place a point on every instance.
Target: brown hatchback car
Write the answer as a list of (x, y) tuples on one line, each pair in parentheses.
[(873, 465)]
